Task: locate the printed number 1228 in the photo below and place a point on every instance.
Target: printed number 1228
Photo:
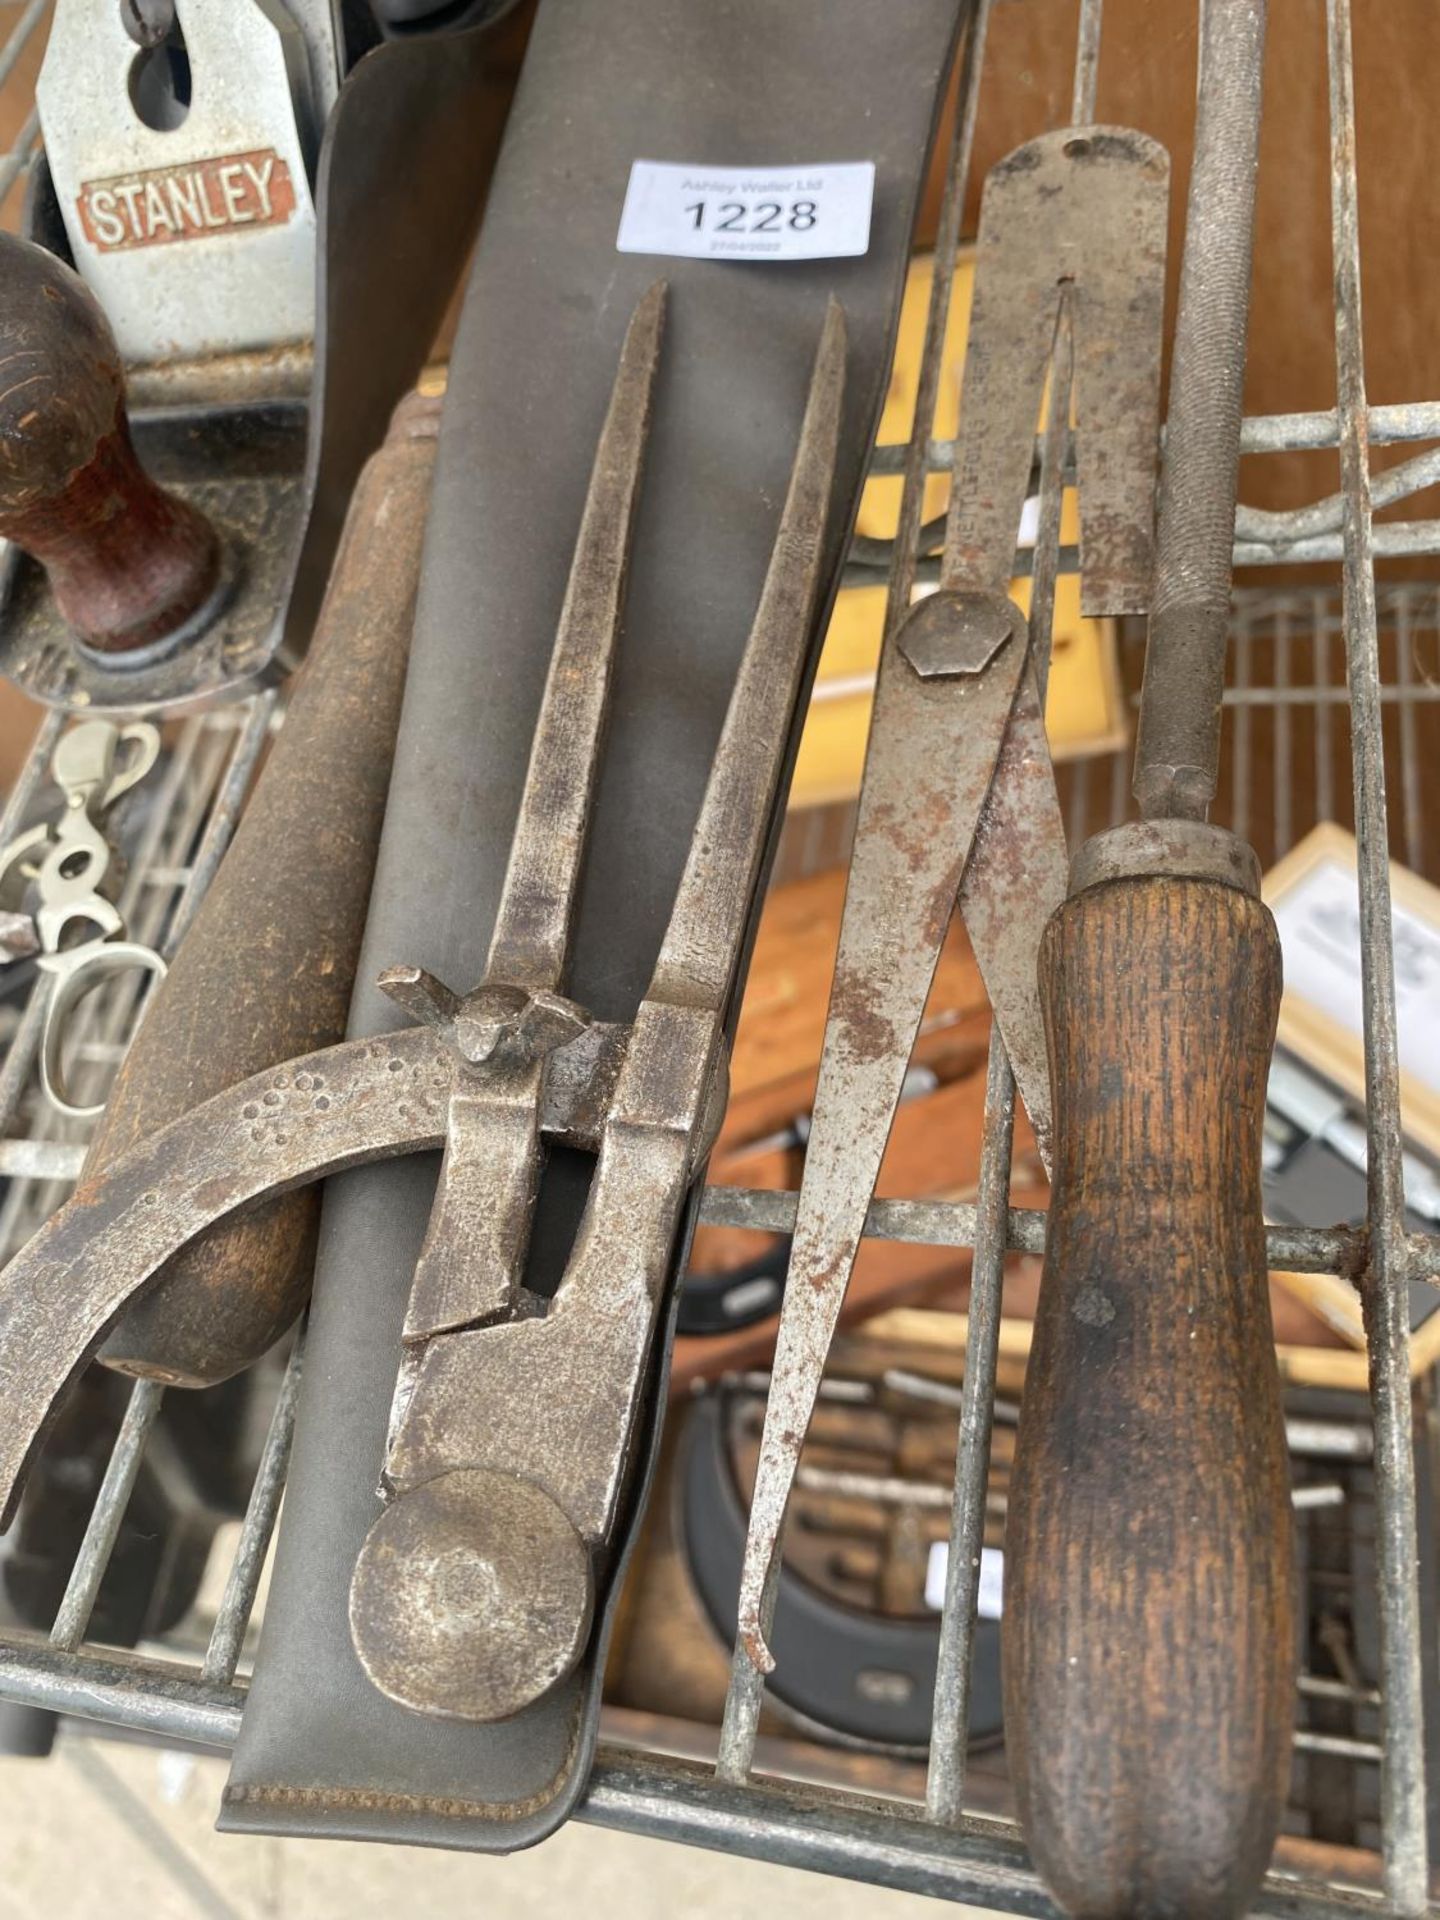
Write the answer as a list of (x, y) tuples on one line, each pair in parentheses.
[(763, 216)]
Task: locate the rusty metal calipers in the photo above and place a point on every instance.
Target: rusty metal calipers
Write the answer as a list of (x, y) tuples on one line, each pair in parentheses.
[(513, 1418), (958, 802)]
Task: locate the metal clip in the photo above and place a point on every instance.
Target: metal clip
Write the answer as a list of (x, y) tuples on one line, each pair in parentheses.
[(76, 870)]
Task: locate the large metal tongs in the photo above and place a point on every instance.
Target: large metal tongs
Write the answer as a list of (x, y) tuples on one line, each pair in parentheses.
[(514, 1418), (958, 797)]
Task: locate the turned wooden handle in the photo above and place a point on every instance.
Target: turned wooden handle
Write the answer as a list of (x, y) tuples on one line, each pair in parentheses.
[(266, 970), (1148, 1645), (128, 563)]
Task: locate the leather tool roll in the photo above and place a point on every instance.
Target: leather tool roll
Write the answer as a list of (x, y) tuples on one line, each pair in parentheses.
[(321, 1751), (267, 969)]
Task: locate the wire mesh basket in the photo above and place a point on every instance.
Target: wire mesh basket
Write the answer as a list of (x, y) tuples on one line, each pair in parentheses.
[(1326, 686)]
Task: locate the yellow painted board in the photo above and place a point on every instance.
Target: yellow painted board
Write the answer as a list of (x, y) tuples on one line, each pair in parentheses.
[(1085, 708), (1335, 1049)]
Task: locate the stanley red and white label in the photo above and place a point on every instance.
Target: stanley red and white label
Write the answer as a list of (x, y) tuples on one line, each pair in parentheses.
[(189, 202)]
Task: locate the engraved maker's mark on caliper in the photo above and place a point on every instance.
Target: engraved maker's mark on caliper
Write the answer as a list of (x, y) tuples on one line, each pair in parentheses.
[(510, 1432)]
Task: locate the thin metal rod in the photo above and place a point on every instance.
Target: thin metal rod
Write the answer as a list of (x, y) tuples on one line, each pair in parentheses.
[(1402, 1783), (249, 743), (243, 1580), (1328, 515), (19, 1059), (1397, 539), (840, 1833), (19, 36), (1409, 737), (105, 1518), (950, 1722), (946, 1223), (1325, 696), (1087, 63), (1317, 1687), (1259, 433), (1240, 742), (41, 1159), (1281, 826), (27, 782), (665, 1798), (1343, 1746), (950, 1719), (885, 1489), (1324, 717), (13, 163)]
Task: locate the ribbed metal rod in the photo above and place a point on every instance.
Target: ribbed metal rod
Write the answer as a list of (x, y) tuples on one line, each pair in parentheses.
[(1178, 746)]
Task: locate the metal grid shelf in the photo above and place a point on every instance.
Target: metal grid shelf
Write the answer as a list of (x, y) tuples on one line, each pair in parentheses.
[(939, 1849)]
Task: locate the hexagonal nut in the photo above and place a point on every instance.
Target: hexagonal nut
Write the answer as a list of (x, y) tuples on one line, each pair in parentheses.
[(951, 633)]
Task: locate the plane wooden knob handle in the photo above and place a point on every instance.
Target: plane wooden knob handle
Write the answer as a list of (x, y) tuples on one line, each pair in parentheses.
[(129, 564), (1148, 1645)]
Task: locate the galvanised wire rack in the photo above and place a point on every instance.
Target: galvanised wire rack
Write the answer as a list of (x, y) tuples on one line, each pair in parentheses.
[(938, 1847)]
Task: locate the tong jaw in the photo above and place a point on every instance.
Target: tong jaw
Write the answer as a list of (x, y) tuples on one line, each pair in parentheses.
[(519, 1429)]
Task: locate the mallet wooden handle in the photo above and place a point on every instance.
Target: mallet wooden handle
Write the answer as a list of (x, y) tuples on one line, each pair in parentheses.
[(1148, 1630), (266, 969), (129, 564)]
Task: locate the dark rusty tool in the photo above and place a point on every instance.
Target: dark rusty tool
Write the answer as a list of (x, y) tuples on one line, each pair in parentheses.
[(133, 569), (514, 1420), (266, 969), (958, 796), (1148, 1624)]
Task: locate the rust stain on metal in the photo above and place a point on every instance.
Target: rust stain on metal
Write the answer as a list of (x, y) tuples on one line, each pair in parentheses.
[(858, 1008)]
